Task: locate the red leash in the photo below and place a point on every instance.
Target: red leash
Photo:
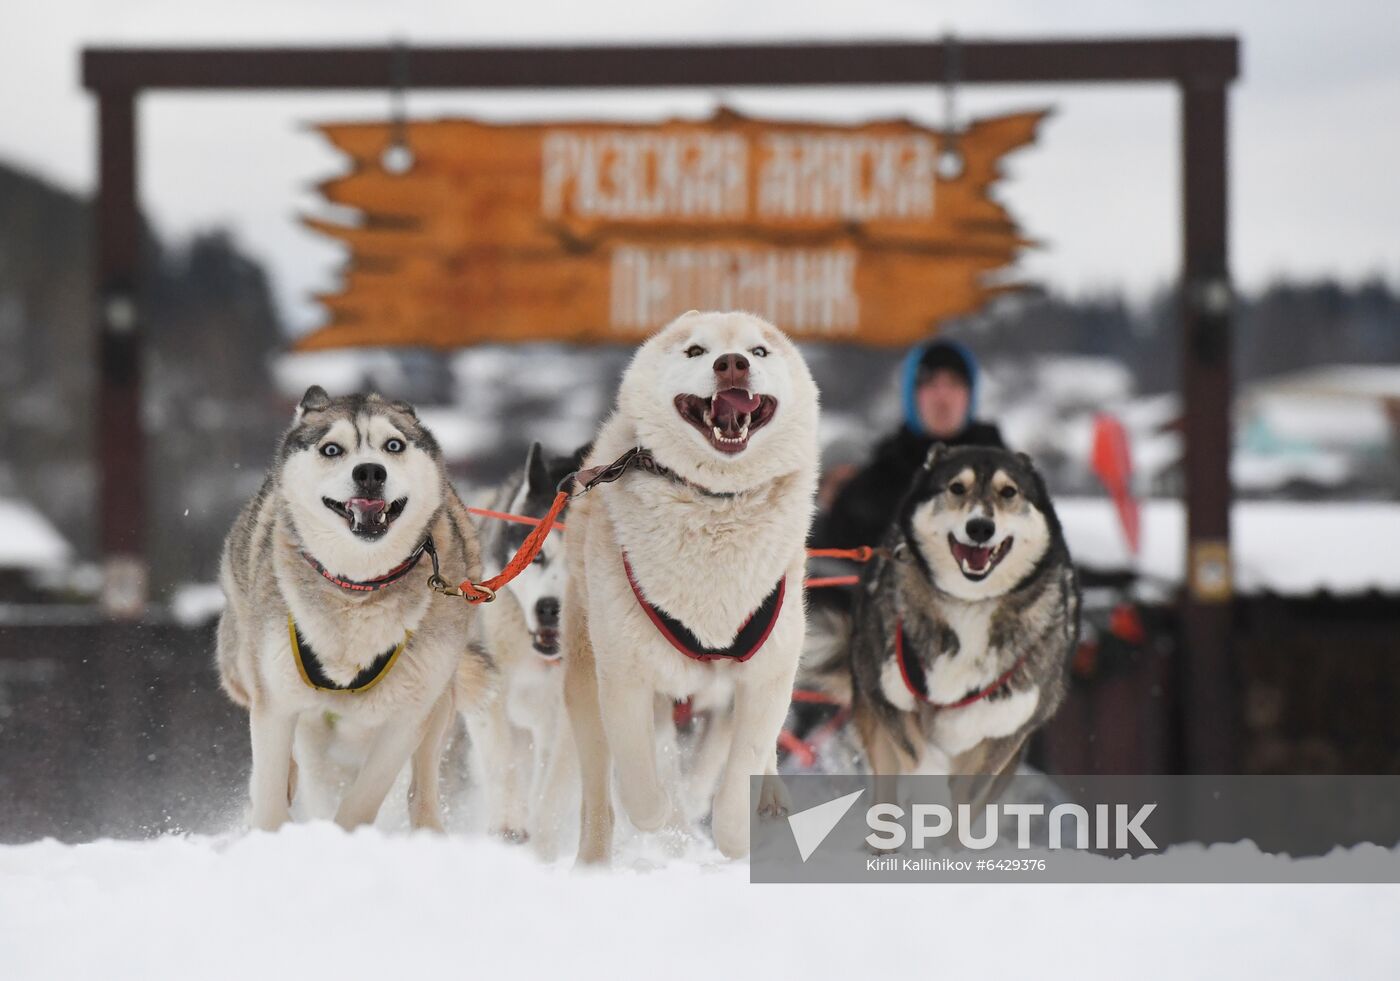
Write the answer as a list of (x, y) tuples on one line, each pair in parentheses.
[(805, 750), (820, 582), (811, 697), (518, 519), (863, 553), (485, 592)]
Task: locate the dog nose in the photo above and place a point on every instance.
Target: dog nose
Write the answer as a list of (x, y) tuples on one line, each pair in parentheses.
[(980, 530), (370, 475), (547, 612), (732, 371)]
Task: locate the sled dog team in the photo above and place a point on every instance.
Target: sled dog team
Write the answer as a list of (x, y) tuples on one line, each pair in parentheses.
[(678, 583)]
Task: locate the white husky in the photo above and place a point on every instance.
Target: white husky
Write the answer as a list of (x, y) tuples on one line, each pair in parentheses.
[(524, 750), (688, 569)]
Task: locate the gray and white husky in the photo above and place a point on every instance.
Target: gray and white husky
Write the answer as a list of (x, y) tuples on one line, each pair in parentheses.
[(537, 782), (330, 637), (958, 644)]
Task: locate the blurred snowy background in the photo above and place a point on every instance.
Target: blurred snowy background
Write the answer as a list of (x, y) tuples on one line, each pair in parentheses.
[(232, 272), (224, 177)]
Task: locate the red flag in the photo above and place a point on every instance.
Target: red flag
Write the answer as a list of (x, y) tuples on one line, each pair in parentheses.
[(1113, 465)]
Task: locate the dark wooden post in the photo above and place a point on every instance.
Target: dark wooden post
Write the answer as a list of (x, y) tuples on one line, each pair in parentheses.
[(120, 443), (1209, 690)]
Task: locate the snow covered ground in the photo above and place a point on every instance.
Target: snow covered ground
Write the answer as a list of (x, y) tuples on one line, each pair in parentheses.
[(312, 901)]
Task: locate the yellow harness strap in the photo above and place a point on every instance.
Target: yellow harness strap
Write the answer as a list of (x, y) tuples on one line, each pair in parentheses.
[(315, 676)]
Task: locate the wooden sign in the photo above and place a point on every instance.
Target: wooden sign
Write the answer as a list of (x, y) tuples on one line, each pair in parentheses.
[(596, 233)]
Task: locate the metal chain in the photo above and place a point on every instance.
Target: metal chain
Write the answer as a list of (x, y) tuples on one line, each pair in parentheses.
[(950, 161), (398, 156)]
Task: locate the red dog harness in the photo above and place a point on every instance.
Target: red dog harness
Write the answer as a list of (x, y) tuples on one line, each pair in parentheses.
[(752, 635), (913, 674)]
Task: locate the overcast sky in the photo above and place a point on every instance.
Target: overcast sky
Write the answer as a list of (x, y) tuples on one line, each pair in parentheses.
[(1315, 165)]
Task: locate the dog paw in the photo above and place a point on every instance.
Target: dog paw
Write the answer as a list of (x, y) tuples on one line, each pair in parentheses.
[(271, 819), (732, 838), (879, 851), (513, 836), (773, 800), (648, 813), (432, 825), (545, 847)]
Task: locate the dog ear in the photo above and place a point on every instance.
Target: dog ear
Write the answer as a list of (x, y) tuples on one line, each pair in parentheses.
[(1026, 459), (315, 400), (536, 471), (399, 405), (935, 451)]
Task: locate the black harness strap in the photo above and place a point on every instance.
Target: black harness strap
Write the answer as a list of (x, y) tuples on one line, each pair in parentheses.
[(912, 671), (752, 635), (637, 458), (315, 676)]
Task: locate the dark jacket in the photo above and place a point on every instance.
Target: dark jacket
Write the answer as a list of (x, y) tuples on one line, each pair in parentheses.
[(866, 505)]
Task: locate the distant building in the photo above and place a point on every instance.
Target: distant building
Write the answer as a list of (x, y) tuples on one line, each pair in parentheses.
[(1327, 432)]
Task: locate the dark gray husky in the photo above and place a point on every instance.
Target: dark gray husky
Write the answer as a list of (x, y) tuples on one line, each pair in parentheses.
[(958, 643), (535, 784)]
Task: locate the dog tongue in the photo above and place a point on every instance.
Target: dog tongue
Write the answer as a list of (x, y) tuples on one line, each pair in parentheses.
[(730, 405), (976, 558), (366, 510), (736, 400)]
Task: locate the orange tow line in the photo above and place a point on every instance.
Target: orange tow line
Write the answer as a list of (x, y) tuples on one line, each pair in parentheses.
[(478, 592), (804, 751), (485, 592)]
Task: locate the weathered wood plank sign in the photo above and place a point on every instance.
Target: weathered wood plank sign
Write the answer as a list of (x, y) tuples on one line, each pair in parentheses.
[(601, 232)]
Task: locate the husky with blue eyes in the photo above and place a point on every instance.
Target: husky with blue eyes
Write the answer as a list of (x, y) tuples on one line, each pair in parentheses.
[(347, 663)]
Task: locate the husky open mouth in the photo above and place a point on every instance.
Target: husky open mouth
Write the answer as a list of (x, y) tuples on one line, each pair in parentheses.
[(975, 561), (368, 517), (728, 418), (546, 642)]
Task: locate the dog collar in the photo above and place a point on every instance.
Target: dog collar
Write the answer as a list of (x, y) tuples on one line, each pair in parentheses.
[(913, 674), (639, 458), (315, 676), (752, 635), (373, 585)]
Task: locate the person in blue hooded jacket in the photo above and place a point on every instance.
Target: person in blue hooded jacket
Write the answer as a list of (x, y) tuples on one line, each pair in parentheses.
[(940, 399)]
